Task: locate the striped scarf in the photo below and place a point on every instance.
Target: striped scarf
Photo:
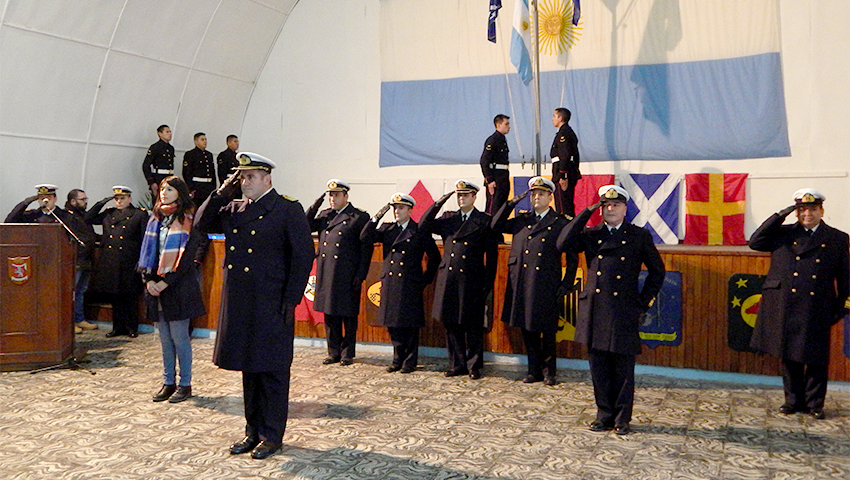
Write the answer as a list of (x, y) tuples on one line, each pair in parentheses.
[(170, 253)]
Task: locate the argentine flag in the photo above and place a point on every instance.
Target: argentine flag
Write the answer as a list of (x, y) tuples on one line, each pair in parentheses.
[(520, 40)]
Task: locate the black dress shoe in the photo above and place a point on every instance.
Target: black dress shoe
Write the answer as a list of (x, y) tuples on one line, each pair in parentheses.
[(182, 393), (622, 429), (133, 334), (346, 361), (531, 379), (393, 368), (164, 392), (244, 446), (599, 426), (407, 370), (330, 360), (817, 414), (475, 374), (787, 409), (113, 333), (264, 450), (456, 373), (550, 380)]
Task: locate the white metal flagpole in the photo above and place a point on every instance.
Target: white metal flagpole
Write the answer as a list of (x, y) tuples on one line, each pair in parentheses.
[(535, 89)]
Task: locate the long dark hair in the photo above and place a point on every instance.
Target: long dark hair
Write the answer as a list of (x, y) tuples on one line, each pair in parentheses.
[(184, 201)]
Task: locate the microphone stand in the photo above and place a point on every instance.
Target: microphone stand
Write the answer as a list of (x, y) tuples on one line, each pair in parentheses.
[(67, 229)]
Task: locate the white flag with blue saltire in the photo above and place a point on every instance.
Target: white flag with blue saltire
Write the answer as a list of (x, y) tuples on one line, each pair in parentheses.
[(520, 41), (654, 204)]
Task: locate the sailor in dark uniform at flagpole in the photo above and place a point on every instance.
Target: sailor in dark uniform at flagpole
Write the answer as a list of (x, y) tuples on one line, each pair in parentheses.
[(565, 161), (804, 295), (465, 277), (535, 282), (611, 304), (342, 264), (199, 170), (268, 256), (494, 165), (402, 278), (159, 161)]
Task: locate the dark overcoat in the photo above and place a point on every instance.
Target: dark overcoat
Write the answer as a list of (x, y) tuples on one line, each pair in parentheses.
[(534, 269), (342, 261), (611, 303), (182, 298), (402, 277), (120, 245), (804, 292), (72, 220), (268, 256), (160, 156), (467, 268)]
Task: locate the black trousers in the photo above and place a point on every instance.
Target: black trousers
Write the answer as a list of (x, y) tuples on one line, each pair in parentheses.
[(466, 346), (342, 336), (266, 396), (125, 312), (405, 347), (500, 195), (805, 384), (540, 349), (613, 377)]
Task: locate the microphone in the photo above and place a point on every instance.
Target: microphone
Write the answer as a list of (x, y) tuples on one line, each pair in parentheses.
[(45, 200)]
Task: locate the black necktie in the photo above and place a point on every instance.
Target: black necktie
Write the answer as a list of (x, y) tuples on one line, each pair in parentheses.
[(464, 216), (332, 215), (809, 232)]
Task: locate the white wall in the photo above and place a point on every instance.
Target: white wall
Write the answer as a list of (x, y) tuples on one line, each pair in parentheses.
[(316, 109)]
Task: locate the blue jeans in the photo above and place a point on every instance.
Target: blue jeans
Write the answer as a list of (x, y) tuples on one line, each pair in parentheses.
[(81, 284), (176, 347)]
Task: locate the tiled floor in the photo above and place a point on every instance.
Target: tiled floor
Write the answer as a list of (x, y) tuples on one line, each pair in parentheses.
[(359, 422)]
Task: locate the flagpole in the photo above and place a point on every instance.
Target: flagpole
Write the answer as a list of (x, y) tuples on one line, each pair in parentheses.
[(535, 89)]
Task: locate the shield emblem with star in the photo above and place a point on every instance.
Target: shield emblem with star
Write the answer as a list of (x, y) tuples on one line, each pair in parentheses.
[(20, 269)]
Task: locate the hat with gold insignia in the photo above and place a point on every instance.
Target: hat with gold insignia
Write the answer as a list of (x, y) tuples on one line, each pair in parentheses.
[(613, 193), (402, 199), (121, 190), (253, 161), (808, 196), (465, 186), (337, 185), (46, 189), (540, 183)]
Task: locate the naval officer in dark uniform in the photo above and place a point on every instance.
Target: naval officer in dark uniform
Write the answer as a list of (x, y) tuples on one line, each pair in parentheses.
[(268, 255), (159, 161), (494, 165), (199, 170), (402, 308), (342, 264), (535, 282), (465, 277), (611, 304), (565, 160), (804, 295), (115, 272)]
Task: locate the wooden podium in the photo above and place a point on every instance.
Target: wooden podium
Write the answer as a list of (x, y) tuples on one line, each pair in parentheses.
[(36, 296)]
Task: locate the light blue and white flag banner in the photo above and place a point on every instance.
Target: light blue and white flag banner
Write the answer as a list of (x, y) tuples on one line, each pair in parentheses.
[(521, 41), (654, 204), (645, 80)]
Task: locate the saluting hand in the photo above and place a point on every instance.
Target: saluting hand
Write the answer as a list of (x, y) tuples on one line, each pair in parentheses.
[(31, 199), (595, 206), (383, 211), (445, 197), (229, 185), (519, 197), (787, 210)]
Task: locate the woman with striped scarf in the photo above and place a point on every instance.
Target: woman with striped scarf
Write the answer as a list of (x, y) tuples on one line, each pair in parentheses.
[(173, 294)]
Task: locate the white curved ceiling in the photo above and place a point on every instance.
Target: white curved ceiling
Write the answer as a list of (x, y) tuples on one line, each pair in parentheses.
[(83, 85)]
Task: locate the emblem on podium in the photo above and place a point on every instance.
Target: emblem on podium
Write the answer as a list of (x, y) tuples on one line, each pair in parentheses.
[(20, 269)]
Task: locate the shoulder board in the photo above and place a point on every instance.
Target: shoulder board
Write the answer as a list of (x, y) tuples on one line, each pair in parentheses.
[(360, 209), (522, 212), (287, 197)]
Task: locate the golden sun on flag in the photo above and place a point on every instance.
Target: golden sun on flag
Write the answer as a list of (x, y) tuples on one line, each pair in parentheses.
[(557, 32)]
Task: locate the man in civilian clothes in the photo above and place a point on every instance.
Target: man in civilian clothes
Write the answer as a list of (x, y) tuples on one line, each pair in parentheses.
[(402, 308), (804, 295), (268, 255), (535, 282), (341, 267), (494, 165), (465, 277), (611, 304), (565, 160)]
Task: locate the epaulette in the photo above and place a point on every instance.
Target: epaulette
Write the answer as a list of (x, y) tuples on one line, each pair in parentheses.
[(524, 211), (364, 211), (287, 197)]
